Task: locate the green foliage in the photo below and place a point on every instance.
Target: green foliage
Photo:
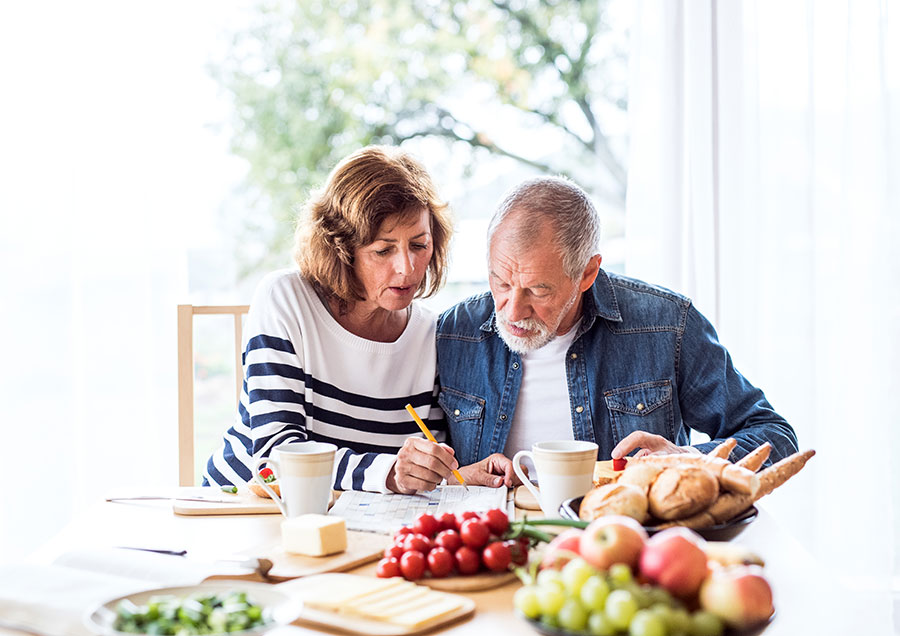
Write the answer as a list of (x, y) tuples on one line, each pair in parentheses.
[(312, 81)]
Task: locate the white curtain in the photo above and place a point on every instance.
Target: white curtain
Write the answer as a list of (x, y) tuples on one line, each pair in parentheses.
[(764, 182)]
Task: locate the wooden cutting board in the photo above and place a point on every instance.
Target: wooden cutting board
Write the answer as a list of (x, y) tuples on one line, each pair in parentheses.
[(245, 503), (362, 547), (471, 583), (358, 625)]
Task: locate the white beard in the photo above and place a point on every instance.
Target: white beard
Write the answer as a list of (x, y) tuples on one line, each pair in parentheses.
[(542, 333)]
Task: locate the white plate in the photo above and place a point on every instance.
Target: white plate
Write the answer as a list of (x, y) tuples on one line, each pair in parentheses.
[(279, 608)]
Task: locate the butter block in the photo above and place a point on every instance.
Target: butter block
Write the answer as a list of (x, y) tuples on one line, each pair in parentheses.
[(314, 535)]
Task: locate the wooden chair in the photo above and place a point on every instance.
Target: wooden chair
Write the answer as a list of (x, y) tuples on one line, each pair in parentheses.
[(186, 315)]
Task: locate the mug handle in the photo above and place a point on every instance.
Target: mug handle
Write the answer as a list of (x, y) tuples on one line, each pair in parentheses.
[(274, 466), (517, 467)]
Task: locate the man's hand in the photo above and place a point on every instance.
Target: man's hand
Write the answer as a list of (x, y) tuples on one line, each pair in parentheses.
[(649, 444), (494, 470), (420, 465)]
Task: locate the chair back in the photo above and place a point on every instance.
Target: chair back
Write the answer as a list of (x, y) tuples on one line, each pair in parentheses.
[(186, 313)]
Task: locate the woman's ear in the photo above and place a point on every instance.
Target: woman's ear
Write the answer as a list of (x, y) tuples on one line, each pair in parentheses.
[(590, 273)]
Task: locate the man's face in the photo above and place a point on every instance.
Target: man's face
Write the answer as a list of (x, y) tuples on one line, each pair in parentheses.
[(534, 298)]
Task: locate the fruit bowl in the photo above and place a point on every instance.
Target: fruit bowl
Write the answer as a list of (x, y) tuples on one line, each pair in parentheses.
[(547, 630), (719, 532)]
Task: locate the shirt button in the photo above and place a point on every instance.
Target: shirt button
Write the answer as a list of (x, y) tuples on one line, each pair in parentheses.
[(574, 355), (503, 417), (456, 412), (579, 409), (640, 406), (515, 365)]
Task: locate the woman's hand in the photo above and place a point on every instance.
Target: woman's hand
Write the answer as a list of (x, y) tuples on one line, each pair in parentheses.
[(649, 444), (494, 470), (421, 465)]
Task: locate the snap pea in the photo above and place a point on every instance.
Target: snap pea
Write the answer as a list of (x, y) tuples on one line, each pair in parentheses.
[(197, 614)]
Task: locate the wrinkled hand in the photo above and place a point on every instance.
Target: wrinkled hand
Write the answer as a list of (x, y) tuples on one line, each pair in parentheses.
[(494, 470), (649, 444), (420, 465)]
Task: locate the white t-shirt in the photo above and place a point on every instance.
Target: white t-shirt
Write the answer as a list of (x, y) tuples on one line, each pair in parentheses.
[(543, 410)]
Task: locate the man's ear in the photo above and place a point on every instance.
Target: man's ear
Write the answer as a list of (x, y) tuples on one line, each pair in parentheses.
[(590, 273)]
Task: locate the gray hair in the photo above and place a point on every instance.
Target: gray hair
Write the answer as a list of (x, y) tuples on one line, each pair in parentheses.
[(559, 201)]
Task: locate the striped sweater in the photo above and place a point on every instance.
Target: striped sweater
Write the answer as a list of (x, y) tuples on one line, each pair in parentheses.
[(308, 378)]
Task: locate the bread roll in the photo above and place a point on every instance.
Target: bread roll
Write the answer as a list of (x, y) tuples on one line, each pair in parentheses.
[(614, 499), (258, 490), (641, 475), (682, 490)]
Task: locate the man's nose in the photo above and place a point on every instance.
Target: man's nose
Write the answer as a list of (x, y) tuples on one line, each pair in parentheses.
[(517, 308)]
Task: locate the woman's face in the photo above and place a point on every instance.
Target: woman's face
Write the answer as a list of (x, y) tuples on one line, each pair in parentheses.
[(392, 266)]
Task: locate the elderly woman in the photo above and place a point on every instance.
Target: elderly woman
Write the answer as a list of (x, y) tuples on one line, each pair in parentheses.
[(336, 349)]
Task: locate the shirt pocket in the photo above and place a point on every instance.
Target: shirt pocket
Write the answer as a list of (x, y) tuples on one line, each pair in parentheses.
[(641, 407), (465, 419)]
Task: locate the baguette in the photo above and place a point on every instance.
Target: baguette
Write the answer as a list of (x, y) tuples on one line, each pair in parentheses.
[(778, 473), (756, 458), (724, 449), (734, 478)]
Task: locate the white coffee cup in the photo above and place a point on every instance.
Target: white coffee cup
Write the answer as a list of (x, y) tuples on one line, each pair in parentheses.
[(303, 470), (565, 469)]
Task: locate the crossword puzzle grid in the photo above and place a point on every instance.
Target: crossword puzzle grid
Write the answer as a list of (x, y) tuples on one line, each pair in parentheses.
[(386, 513)]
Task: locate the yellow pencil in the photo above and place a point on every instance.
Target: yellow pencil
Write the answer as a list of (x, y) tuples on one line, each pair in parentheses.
[(428, 434)]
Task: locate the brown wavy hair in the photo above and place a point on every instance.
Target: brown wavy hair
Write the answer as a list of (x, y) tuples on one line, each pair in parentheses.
[(363, 190)]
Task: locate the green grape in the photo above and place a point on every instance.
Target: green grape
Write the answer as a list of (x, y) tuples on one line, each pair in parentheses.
[(550, 621), (646, 623), (641, 594), (663, 611), (575, 573), (679, 621), (706, 624), (600, 625), (526, 601), (620, 575), (594, 592), (548, 578), (551, 599), (620, 608), (659, 595), (572, 616)]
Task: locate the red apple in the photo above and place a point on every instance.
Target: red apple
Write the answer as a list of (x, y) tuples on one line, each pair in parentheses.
[(612, 539), (675, 560), (562, 549), (740, 596)]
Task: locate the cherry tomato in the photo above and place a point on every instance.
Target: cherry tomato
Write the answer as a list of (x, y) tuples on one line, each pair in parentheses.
[(468, 560), (426, 524), (517, 552), (402, 532), (440, 562), (448, 521), (418, 543), (474, 533), (497, 521), (462, 516), (412, 565), (388, 568), (496, 556), (449, 539), (394, 551)]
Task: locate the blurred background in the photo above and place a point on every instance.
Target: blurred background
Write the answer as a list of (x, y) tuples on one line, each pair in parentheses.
[(151, 154)]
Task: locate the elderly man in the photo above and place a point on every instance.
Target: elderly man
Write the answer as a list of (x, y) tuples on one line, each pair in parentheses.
[(561, 349)]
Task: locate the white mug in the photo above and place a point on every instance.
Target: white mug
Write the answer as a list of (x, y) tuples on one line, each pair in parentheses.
[(565, 469), (303, 470)]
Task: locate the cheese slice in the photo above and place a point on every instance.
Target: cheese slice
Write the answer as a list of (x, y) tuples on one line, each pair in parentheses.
[(429, 614), (385, 606), (314, 535), (334, 591)]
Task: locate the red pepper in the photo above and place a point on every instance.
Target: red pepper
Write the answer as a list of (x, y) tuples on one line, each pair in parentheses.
[(619, 464)]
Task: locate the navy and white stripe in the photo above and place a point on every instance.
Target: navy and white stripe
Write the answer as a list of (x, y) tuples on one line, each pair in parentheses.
[(306, 378)]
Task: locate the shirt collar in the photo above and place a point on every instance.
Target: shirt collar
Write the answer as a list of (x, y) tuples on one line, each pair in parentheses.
[(600, 300)]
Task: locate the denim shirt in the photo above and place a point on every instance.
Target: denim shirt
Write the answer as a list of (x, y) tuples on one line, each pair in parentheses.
[(643, 359)]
